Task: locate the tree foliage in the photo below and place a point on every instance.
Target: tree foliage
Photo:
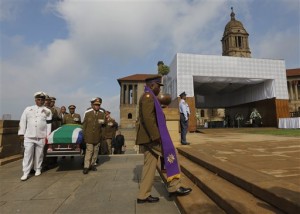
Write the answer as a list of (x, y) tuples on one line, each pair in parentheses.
[(162, 68)]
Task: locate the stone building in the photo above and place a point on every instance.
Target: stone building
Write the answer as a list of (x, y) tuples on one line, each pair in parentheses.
[(234, 43), (234, 82), (293, 83), (131, 88), (235, 39)]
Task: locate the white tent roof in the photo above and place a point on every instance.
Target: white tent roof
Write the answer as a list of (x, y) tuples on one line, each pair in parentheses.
[(220, 81)]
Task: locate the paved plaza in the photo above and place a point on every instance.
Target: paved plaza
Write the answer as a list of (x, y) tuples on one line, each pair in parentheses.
[(113, 188)]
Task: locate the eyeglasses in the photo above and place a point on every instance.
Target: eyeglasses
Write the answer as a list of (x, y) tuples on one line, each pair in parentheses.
[(39, 99)]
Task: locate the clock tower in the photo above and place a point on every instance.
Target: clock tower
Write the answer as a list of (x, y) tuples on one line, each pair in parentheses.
[(235, 39)]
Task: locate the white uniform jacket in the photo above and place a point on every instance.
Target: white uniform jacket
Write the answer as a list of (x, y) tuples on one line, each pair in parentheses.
[(184, 109), (35, 122)]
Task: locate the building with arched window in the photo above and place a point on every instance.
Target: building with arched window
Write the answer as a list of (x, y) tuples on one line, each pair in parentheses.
[(131, 88), (219, 87)]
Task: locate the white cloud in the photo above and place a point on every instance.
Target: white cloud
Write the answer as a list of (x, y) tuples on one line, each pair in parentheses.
[(279, 45), (112, 39), (120, 30)]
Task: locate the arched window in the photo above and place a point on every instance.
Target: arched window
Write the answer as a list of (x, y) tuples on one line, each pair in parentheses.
[(129, 116)]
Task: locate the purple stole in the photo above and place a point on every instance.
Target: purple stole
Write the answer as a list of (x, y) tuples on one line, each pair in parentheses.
[(168, 149)]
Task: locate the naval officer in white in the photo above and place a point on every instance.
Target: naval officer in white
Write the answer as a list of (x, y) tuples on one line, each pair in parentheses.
[(34, 127)]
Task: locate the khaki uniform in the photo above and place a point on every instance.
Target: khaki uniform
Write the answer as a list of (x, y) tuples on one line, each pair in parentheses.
[(72, 119), (55, 118), (148, 138), (110, 132), (92, 132)]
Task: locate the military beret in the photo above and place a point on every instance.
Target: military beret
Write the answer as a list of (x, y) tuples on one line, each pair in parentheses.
[(156, 79), (72, 106), (39, 94), (182, 94)]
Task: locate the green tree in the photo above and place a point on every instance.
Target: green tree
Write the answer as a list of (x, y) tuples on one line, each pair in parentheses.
[(162, 68)]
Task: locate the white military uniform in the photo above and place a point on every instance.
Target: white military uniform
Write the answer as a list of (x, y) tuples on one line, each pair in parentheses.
[(184, 109), (35, 125)]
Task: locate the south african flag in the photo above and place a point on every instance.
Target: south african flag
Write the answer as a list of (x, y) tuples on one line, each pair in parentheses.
[(70, 133)]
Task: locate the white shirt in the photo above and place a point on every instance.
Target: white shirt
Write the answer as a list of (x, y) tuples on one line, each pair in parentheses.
[(184, 109), (35, 122)]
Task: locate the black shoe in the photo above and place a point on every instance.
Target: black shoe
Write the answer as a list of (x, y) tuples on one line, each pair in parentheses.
[(181, 191), (185, 143), (85, 171), (94, 168), (150, 199)]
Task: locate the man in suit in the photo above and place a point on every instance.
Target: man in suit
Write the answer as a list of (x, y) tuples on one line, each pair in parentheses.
[(72, 117), (118, 143), (93, 123), (154, 140), (62, 114)]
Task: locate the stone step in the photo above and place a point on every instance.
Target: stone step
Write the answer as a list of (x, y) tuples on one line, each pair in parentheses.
[(225, 194), (281, 195), (196, 202)]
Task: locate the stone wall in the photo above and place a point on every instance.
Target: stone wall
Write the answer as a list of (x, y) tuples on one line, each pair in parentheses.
[(172, 119), (9, 141)]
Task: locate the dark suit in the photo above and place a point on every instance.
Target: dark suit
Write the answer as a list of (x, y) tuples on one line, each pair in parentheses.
[(118, 142)]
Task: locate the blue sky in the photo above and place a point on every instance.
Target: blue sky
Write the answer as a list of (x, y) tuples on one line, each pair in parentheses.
[(77, 49)]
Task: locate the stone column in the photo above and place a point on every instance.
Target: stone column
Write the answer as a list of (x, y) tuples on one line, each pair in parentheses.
[(126, 94), (291, 90), (296, 89), (122, 95)]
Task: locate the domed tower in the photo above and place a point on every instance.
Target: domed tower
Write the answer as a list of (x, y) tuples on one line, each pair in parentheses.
[(235, 39)]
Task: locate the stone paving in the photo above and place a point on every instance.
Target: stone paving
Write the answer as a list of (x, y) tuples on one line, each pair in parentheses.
[(113, 188), (278, 156), (64, 189)]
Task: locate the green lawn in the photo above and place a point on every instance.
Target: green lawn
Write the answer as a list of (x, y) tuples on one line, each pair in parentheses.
[(281, 132)]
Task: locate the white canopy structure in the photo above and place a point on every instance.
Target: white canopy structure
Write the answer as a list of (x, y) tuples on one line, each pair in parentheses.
[(223, 81)]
